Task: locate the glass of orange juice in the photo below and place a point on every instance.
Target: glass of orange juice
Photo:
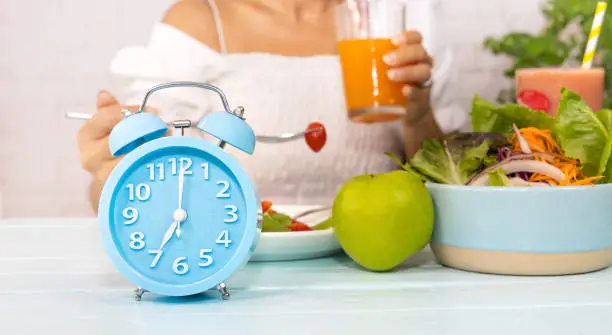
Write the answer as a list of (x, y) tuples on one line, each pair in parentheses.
[(364, 30)]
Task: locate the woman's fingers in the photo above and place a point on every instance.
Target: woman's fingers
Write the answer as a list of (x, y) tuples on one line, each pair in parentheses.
[(101, 123), (410, 63), (417, 73), (93, 137), (407, 37), (105, 99), (408, 54)]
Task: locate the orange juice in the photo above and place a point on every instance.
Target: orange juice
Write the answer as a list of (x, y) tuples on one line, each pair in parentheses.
[(369, 94)]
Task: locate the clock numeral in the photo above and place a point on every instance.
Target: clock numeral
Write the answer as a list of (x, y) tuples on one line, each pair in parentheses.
[(160, 167), (130, 214), (184, 164), (141, 192), (137, 240), (223, 238), (158, 254), (224, 189), (205, 257), (180, 266), (205, 167), (232, 213)]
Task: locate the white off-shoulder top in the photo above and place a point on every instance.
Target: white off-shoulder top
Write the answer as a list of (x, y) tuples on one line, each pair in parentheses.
[(280, 94)]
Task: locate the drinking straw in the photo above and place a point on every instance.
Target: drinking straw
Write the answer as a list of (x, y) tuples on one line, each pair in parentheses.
[(589, 53)]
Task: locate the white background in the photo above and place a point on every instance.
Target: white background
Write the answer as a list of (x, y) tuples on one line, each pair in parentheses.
[(54, 57)]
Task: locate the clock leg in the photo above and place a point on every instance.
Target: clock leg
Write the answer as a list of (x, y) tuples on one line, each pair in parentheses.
[(222, 288), (138, 293)]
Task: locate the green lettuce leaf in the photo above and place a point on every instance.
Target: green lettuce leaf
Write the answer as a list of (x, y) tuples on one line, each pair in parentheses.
[(483, 118), (605, 116), (488, 117), (490, 159), (605, 164), (498, 177), (445, 163), (328, 223), (276, 222), (581, 133), (406, 166)]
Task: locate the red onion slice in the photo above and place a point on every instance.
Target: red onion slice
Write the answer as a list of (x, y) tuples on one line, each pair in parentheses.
[(525, 165), (547, 156)]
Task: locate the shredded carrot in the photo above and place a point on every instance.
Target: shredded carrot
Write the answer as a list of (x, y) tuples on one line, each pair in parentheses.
[(542, 141)]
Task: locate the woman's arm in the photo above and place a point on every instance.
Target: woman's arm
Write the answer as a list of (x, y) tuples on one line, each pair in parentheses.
[(420, 122), (415, 133), (410, 64)]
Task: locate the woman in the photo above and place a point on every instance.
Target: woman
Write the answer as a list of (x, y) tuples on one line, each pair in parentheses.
[(277, 59)]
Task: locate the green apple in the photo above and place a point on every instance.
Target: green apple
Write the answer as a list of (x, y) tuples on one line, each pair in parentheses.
[(382, 219)]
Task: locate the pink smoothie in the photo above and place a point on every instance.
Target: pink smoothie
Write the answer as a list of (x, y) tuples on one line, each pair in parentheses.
[(588, 83)]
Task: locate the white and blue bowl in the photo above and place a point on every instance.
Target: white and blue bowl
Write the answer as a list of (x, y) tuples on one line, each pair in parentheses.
[(523, 230)]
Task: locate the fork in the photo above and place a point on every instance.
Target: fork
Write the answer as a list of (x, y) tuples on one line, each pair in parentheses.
[(310, 211), (287, 137)]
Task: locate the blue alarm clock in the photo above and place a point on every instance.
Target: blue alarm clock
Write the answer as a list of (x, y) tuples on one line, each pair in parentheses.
[(178, 215)]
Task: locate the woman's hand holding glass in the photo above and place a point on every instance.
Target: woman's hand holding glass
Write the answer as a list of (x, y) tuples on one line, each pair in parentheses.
[(411, 65)]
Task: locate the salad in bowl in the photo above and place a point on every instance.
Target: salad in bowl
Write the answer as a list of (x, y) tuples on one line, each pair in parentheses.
[(513, 145), (525, 193)]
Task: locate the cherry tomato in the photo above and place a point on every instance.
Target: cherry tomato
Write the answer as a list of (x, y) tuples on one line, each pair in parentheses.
[(316, 139), (298, 226), (265, 206), (533, 99)]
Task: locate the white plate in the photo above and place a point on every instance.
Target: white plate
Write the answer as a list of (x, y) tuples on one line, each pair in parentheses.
[(284, 246)]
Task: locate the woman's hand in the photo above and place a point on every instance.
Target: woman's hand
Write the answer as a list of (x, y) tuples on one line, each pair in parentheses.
[(92, 141), (411, 65), (92, 138)]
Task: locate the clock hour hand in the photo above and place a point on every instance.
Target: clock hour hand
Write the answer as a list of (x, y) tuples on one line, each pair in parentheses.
[(168, 234), (165, 240)]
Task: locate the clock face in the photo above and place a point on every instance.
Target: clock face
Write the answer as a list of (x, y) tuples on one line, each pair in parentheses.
[(178, 215)]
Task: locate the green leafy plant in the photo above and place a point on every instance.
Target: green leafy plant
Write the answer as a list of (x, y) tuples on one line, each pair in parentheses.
[(563, 40)]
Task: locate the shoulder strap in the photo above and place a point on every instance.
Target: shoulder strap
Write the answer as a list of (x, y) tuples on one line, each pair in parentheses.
[(218, 25)]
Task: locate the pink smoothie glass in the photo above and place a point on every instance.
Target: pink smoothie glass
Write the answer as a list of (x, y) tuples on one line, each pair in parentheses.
[(540, 88)]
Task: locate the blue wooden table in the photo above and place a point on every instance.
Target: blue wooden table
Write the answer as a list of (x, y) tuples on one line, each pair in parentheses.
[(55, 279)]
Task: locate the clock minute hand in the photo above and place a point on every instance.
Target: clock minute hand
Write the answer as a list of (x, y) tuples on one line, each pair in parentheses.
[(181, 182)]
